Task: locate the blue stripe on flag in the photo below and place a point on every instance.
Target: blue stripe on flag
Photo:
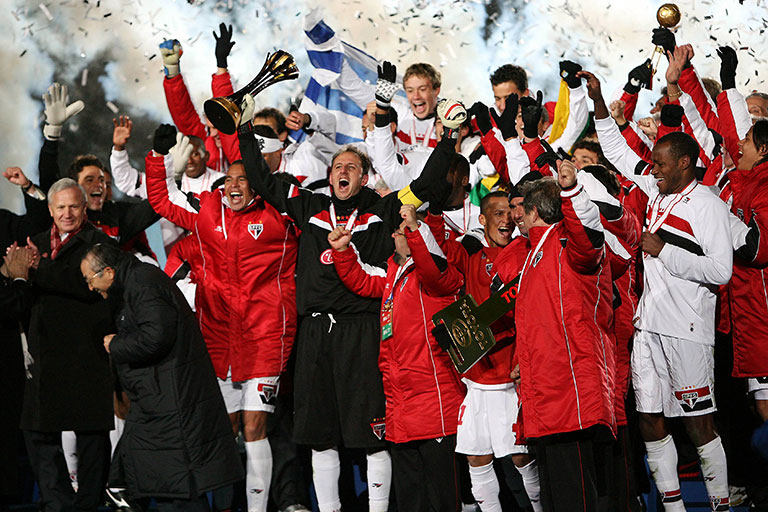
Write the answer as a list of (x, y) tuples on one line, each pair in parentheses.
[(332, 99), (297, 135), (326, 60), (342, 138), (361, 63), (320, 33)]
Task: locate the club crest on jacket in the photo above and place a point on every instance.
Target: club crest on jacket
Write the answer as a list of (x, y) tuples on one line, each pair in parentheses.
[(255, 229)]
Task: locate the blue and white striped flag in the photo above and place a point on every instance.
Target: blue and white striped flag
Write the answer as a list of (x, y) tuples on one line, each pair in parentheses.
[(343, 80)]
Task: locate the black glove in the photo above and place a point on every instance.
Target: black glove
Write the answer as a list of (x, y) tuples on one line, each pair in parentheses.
[(482, 116), (672, 115), (568, 70), (531, 110), (506, 121), (224, 45), (476, 154), (665, 38), (639, 77), (549, 157), (728, 63), (165, 139), (442, 337), (386, 84)]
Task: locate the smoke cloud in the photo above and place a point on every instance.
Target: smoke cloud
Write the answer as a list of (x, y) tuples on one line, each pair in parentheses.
[(106, 52)]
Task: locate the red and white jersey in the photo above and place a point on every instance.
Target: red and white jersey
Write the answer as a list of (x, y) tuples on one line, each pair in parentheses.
[(246, 286), (464, 219), (412, 133)]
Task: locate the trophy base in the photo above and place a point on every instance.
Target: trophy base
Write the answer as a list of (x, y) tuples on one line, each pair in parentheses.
[(223, 114)]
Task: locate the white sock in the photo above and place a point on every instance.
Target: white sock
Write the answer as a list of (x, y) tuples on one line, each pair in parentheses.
[(662, 460), (326, 469), (258, 474), (715, 472), (530, 474), (69, 446), (114, 435), (379, 480), (485, 487)]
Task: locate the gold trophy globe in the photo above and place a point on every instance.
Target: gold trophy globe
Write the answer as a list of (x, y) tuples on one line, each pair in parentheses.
[(668, 16), (224, 112)]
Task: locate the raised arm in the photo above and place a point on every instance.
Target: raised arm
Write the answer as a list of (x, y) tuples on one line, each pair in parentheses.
[(637, 78), (733, 113), (183, 112), (581, 219), (221, 85), (578, 111), (127, 179), (160, 187), (437, 276), (615, 148), (37, 218), (360, 278), (385, 155), (285, 197)]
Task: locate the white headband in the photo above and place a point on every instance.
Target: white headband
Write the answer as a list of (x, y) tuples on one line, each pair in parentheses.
[(268, 144)]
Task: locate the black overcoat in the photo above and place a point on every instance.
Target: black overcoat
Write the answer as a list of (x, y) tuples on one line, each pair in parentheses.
[(71, 385), (177, 439)]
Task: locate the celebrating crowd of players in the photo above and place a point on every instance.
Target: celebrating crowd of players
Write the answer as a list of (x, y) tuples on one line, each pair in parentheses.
[(314, 271)]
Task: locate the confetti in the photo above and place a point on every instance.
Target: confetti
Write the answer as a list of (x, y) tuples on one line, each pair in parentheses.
[(46, 12), (84, 78), (111, 106)]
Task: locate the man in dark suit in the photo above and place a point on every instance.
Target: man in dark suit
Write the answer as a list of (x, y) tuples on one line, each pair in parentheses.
[(177, 443), (71, 385)]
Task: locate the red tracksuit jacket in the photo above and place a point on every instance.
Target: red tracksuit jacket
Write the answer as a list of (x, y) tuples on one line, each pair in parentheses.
[(563, 318), (246, 293), (421, 386), (747, 290)]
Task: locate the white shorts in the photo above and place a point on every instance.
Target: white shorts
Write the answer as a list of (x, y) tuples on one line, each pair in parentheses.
[(758, 387), (251, 395), (673, 375), (487, 420)]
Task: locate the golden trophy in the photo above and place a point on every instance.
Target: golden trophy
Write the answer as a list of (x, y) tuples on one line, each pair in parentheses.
[(224, 112), (668, 16)]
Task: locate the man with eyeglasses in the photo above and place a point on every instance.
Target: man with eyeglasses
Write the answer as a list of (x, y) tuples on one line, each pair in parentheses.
[(71, 382), (160, 358)]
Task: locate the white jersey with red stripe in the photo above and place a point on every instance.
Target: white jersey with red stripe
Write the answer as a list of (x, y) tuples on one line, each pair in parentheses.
[(415, 138), (679, 294), (463, 219)]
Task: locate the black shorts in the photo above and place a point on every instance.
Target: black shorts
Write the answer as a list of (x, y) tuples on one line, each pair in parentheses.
[(338, 395)]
